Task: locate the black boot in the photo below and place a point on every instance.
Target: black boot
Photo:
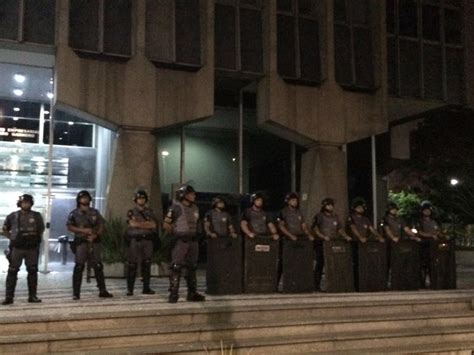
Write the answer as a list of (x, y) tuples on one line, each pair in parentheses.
[(77, 281), (10, 287), (193, 295), (131, 276), (146, 273), (174, 287), (32, 280), (99, 275)]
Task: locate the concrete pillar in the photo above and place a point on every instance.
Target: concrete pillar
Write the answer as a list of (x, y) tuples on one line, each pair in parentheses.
[(135, 165), (323, 174)]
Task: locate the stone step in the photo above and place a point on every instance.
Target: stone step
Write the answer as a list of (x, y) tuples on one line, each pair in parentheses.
[(109, 332), (122, 312), (356, 342)]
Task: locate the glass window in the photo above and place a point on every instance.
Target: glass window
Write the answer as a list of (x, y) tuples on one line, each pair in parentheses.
[(390, 15), (101, 26), (431, 23), (432, 72), (409, 68), (9, 19), (285, 5), (84, 25), (408, 18), (453, 26), (298, 53), (225, 49), (188, 43), (39, 21), (251, 43), (117, 27), (353, 41), (286, 46)]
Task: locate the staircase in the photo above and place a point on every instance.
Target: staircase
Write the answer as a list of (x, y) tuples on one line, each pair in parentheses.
[(391, 322)]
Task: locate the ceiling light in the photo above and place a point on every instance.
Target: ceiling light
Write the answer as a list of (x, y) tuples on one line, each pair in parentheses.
[(15, 118), (19, 78), (70, 123), (46, 112), (165, 153), (50, 95), (16, 109), (51, 81), (18, 92)]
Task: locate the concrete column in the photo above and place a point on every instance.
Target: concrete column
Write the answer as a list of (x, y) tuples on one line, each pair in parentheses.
[(323, 174), (135, 165)]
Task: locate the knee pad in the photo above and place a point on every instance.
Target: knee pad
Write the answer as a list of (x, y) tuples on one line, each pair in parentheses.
[(99, 266), (175, 268), (13, 270), (147, 262), (32, 269), (79, 267)]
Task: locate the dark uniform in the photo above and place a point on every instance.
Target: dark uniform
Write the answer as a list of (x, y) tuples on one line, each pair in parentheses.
[(184, 222), (257, 221), (219, 221), (430, 226), (87, 250), (329, 225), (362, 224), (25, 229), (297, 255), (396, 225), (140, 245), (224, 251)]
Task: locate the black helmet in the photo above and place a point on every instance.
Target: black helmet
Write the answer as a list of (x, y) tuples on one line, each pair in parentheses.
[(183, 191), (25, 198), (327, 201), (140, 193), (358, 201), (291, 195), (216, 200), (255, 196), (83, 193), (426, 205), (391, 206)]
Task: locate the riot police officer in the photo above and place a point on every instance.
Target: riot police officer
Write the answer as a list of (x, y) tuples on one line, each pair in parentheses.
[(395, 229), (255, 221), (87, 224), (25, 230), (293, 226), (217, 221), (428, 229), (326, 225), (291, 221), (181, 222), (394, 226), (360, 228), (141, 233)]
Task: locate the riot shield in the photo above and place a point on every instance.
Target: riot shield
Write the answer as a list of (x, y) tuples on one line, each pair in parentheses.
[(260, 265), (405, 265), (298, 265), (372, 267), (224, 266), (443, 264), (338, 265)]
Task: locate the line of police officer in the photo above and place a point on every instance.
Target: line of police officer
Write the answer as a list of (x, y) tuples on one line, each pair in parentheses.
[(25, 228)]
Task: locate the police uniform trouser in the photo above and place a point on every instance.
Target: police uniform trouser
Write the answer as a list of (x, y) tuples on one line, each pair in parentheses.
[(88, 251), (184, 254), (425, 269), (318, 270), (139, 250), (31, 261)]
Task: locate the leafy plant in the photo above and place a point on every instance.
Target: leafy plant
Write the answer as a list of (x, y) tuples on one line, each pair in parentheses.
[(113, 242), (408, 204)]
